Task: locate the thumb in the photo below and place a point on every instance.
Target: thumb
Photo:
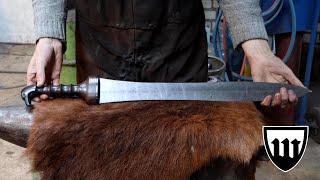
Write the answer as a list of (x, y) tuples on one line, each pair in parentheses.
[(288, 75), (291, 77)]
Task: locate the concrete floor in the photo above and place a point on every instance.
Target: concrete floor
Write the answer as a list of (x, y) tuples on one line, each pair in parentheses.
[(14, 166)]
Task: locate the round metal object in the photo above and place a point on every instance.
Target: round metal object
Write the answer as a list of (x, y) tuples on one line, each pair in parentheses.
[(216, 68)]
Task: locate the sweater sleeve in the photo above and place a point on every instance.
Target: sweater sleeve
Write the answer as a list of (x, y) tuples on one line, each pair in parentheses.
[(244, 20), (50, 18)]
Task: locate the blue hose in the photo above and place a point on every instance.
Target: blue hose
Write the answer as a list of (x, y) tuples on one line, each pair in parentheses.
[(273, 12), (268, 21), (304, 102), (216, 34), (293, 32)]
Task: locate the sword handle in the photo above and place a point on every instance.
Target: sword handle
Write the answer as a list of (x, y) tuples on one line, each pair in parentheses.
[(88, 90)]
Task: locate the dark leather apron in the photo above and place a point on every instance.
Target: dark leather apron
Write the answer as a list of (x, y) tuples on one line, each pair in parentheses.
[(141, 40)]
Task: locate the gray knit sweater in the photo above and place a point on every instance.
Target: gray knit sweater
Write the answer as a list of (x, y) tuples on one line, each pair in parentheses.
[(243, 16)]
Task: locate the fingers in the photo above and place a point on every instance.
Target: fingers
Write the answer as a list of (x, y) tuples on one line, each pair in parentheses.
[(292, 97), (31, 72), (44, 96), (31, 76), (43, 68), (36, 99), (267, 101), (41, 75), (57, 66), (285, 98), (40, 68), (276, 100)]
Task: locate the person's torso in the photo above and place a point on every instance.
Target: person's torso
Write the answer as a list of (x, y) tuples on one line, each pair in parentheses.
[(144, 40)]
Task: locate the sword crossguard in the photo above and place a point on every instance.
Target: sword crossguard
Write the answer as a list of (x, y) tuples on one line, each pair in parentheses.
[(88, 90)]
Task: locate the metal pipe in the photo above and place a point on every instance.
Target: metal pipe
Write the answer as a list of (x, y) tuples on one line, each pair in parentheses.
[(15, 123), (304, 102)]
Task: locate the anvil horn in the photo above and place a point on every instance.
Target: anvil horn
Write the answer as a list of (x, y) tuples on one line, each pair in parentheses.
[(15, 123)]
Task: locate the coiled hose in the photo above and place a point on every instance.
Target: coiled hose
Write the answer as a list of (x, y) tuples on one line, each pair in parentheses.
[(269, 15)]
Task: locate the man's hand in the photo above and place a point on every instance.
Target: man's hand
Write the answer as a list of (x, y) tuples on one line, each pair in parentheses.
[(45, 65), (266, 67)]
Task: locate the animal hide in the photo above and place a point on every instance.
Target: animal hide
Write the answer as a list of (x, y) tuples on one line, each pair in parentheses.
[(140, 140)]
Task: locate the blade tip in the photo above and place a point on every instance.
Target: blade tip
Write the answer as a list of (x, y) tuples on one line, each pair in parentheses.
[(306, 91)]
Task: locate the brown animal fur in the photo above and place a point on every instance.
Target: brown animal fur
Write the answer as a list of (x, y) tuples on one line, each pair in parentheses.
[(140, 140)]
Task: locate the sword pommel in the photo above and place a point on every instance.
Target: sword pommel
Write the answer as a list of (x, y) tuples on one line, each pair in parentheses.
[(88, 90)]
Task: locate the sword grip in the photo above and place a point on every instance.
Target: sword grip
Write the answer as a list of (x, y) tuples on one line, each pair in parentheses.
[(88, 90), (67, 91)]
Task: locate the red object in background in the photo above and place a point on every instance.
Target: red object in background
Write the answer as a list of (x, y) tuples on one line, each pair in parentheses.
[(282, 44), (224, 40), (277, 115)]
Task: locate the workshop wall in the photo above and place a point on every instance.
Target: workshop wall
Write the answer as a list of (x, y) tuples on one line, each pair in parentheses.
[(16, 21), (210, 7)]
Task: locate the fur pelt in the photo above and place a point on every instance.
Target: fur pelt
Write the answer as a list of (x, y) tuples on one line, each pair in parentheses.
[(140, 140)]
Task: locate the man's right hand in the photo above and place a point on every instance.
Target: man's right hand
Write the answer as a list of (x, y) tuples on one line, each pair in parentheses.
[(45, 65)]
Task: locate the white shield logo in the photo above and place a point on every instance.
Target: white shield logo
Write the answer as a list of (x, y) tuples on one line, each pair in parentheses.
[(285, 145)]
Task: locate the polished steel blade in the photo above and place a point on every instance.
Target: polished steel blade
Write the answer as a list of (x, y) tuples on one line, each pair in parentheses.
[(122, 91)]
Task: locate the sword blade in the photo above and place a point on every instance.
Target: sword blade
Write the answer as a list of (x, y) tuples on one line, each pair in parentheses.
[(123, 91)]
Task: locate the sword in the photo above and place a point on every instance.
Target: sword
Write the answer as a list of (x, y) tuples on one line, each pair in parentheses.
[(98, 90)]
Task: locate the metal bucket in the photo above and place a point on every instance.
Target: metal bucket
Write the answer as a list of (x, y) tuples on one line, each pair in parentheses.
[(216, 69)]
